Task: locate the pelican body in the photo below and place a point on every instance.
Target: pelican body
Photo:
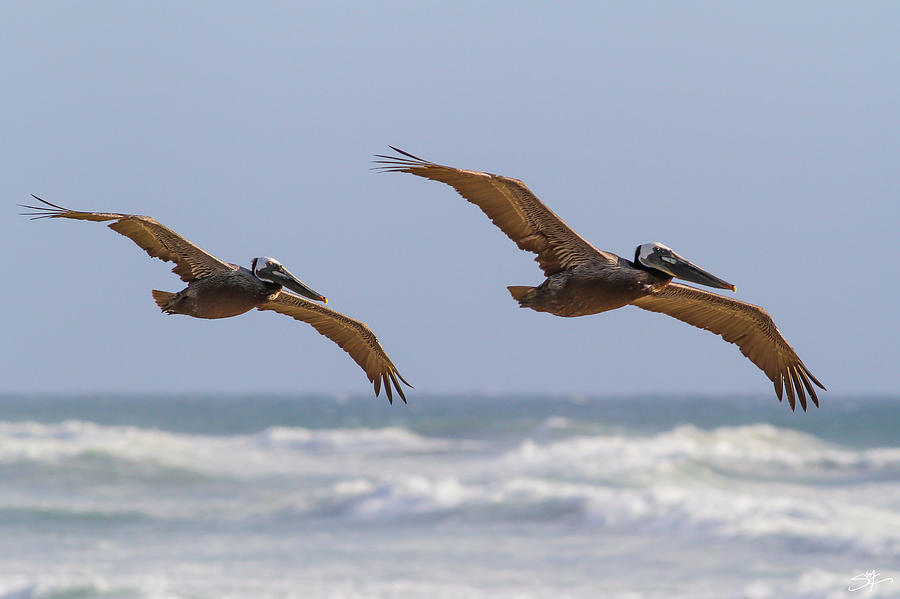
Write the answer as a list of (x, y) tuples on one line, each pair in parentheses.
[(218, 289), (598, 286), (220, 296), (583, 280), (227, 293)]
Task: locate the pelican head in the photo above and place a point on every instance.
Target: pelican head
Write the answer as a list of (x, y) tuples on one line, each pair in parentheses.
[(270, 270), (659, 257)]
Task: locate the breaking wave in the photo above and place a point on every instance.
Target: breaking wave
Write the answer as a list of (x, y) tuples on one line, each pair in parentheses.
[(749, 482), (268, 452)]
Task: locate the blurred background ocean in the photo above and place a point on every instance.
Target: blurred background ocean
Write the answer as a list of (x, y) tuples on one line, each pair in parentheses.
[(206, 496)]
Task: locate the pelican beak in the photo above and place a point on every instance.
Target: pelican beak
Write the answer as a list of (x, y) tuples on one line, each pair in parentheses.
[(673, 264), (284, 277)]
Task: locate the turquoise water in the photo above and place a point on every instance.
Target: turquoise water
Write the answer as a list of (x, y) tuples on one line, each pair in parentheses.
[(456, 497)]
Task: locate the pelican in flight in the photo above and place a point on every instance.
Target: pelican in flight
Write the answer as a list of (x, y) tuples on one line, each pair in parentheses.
[(217, 289), (583, 280)]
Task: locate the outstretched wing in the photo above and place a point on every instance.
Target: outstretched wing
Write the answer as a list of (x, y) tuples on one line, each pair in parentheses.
[(191, 263), (354, 337), (512, 207), (748, 326)]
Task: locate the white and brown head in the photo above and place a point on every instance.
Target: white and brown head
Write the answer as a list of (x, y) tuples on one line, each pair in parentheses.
[(656, 256), (271, 271)]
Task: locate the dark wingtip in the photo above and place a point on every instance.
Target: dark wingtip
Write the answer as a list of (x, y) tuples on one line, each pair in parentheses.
[(810, 390), (407, 154), (394, 164), (405, 382), (43, 201), (789, 389), (798, 388), (46, 211), (388, 390), (812, 377), (394, 374)]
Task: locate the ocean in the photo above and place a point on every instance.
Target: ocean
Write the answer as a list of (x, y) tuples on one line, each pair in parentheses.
[(450, 497)]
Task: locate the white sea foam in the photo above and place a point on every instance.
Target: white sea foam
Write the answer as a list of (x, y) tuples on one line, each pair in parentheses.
[(757, 450), (276, 450), (747, 510), (383, 440), (753, 483)]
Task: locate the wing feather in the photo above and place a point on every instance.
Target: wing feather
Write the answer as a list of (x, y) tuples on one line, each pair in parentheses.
[(512, 207), (748, 326), (159, 241), (353, 336)]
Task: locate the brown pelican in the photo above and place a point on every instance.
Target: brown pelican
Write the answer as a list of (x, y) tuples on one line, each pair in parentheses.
[(583, 280), (217, 289)]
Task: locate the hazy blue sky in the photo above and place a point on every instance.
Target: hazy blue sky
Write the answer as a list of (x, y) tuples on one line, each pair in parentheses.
[(760, 140)]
